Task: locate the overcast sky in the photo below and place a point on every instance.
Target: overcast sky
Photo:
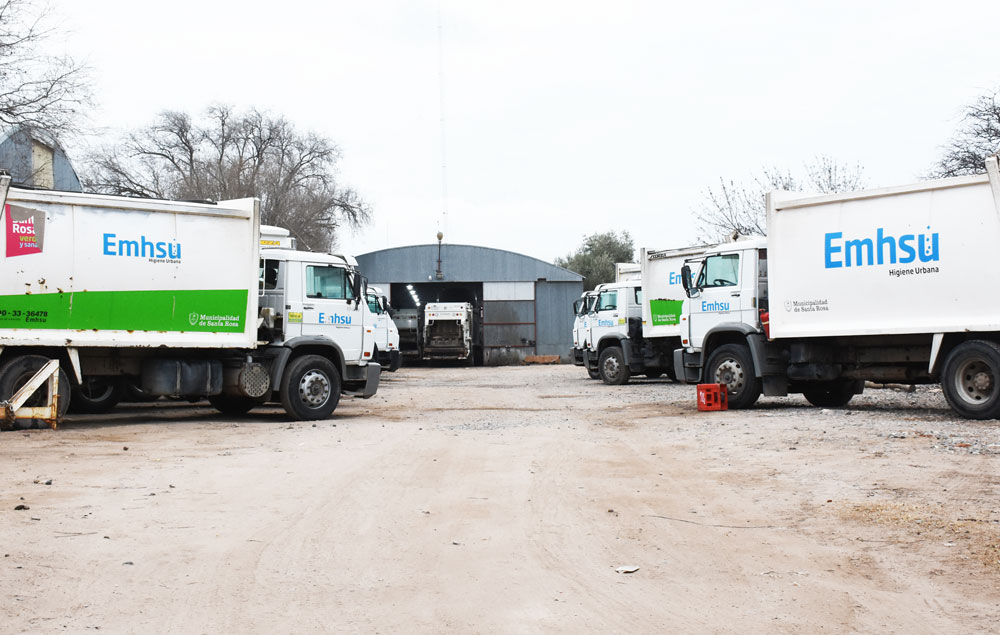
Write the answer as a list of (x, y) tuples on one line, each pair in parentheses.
[(562, 119)]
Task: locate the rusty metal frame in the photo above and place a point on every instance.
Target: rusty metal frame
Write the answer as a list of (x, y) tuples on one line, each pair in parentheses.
[(11, 409)]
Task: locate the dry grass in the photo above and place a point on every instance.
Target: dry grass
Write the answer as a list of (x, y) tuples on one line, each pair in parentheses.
[(977, 536)]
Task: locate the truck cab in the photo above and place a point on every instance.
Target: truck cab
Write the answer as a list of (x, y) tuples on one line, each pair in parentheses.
[(312, 303)]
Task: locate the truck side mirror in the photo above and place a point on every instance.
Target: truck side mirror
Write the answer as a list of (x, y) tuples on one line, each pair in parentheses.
[(359, 286), (686, 279)]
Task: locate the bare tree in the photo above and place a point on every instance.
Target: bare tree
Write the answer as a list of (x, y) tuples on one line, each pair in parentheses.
[(737, 208), (231, 154), (978, 137), (40, 92)]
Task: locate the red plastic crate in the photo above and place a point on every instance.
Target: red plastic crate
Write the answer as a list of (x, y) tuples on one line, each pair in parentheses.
[(713, 397)]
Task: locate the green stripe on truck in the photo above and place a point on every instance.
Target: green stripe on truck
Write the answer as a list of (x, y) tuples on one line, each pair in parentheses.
[(203, 310)]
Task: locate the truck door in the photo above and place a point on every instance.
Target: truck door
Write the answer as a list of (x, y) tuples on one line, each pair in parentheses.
[(609, 312), (589, 315), (720, 298), (329, 309), (379, 327)]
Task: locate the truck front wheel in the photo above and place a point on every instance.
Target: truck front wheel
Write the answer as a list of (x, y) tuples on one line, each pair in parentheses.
[(971, 379), (612, 366), (310, 388), (732, 365)]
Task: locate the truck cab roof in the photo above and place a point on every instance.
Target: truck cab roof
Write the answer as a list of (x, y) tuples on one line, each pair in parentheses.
[(309, 256)]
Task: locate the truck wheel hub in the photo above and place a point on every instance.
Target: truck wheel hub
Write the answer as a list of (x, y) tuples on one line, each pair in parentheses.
[(611, 367), (314, 389), (975, 381), (982, 381), (730, 373)]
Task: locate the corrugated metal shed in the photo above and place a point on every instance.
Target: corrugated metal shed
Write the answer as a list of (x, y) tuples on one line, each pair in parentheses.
[(525, 304)]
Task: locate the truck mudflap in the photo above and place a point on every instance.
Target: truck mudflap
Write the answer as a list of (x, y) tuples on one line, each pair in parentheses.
[(687, 366), (363, 380)]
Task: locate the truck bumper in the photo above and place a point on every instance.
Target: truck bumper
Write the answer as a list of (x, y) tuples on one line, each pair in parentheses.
[(390, 360), (446, 352), (362, 381)]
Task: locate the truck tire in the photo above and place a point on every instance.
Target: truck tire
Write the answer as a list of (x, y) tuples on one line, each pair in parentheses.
[(830, 394), (17, 372), (97, 395), (310, 388), (612, 367), (732, 365), (593, 373), (971, 379), (233, 404)]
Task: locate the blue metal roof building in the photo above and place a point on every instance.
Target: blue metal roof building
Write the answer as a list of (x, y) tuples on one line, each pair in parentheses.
[(525, 304)]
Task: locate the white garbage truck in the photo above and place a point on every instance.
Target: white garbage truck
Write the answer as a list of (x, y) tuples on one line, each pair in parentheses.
[(448, 330), (634, 323), (178, 299), (882, 285), (583, 311)]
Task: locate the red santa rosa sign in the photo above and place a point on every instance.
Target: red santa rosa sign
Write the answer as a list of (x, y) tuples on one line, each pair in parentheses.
[(25, 230)]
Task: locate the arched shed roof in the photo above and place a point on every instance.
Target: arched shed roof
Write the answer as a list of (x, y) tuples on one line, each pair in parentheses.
[(459, 263)]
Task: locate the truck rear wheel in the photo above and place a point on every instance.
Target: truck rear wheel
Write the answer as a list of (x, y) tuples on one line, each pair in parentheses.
[(594, 373), (971, 379), (612, 366), (19, 371), (97, 395), (830, 394), (310, 388), (732, 365)]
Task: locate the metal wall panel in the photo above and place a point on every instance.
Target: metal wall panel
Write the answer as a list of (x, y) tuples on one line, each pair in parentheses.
[(554, 310), (510, 335), (508, 312), (508, 291)]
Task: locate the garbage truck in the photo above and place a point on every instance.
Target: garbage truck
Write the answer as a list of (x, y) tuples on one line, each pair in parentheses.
[(178, 299), (448, 330), (883, 285), (634, 322)]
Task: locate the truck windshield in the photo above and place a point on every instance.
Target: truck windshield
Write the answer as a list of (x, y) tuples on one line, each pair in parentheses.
[(328, 282), (608, 301), (720, 271)]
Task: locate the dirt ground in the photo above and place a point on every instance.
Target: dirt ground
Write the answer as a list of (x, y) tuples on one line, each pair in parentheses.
[(507, 500)]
